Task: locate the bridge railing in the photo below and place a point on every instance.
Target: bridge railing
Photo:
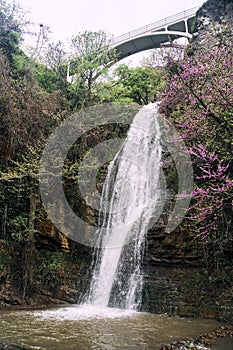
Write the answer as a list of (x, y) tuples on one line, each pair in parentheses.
[(156, 25)]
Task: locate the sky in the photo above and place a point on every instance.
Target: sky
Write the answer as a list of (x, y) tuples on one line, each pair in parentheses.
[(68, 17)]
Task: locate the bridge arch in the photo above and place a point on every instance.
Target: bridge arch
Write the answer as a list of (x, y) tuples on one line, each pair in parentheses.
[(155, 34)]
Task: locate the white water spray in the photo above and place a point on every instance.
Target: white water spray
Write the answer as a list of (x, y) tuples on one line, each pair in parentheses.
[(130, 199)]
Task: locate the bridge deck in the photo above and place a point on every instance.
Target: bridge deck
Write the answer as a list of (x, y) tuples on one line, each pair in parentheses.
[(156, 26)]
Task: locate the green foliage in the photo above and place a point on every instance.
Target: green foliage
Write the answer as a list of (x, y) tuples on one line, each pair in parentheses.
[(18, 227), (223, 279), (49, 269), (10, 29), (26, 111), (47, 78), (4, 260), (91, 59), (20, 65), (131, 85), (138, 84), (76, 95)]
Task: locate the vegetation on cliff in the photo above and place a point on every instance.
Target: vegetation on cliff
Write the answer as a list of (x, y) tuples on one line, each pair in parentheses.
[(38, 90)]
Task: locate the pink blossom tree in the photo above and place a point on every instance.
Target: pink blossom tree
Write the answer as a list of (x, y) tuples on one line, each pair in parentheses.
[(199, 99)]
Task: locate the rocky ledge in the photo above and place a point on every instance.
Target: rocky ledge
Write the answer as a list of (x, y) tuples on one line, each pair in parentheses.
[(203, 342), (4, 346)]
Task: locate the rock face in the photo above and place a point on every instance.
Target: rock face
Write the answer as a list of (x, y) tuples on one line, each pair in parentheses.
[(48, 236), (214, 24), (177, 281)]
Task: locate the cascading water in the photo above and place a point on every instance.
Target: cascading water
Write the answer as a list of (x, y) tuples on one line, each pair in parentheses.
[(130, 198)]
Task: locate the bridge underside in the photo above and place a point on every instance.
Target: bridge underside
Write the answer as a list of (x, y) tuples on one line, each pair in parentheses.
[(154, 39), (151, 41)]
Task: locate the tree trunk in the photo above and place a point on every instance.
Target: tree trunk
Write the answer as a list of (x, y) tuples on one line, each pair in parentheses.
[(29, 249)]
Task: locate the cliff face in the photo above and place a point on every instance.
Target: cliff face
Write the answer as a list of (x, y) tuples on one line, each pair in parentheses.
[(177, 281), (214, 24), (177, 276)]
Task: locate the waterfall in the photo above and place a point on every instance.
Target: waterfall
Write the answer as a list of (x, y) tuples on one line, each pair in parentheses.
[(130, 199)]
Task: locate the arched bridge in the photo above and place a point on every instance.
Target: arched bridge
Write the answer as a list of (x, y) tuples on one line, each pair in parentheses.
[(155, 34)]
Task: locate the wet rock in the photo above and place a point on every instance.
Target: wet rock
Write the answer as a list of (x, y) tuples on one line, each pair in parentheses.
[(203, 342), (4, 346)]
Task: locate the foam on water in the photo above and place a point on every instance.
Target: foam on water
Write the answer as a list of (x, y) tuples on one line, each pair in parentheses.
[(82, 312)]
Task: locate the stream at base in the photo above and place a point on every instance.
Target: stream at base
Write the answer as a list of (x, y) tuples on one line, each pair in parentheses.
[(87, 327)]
